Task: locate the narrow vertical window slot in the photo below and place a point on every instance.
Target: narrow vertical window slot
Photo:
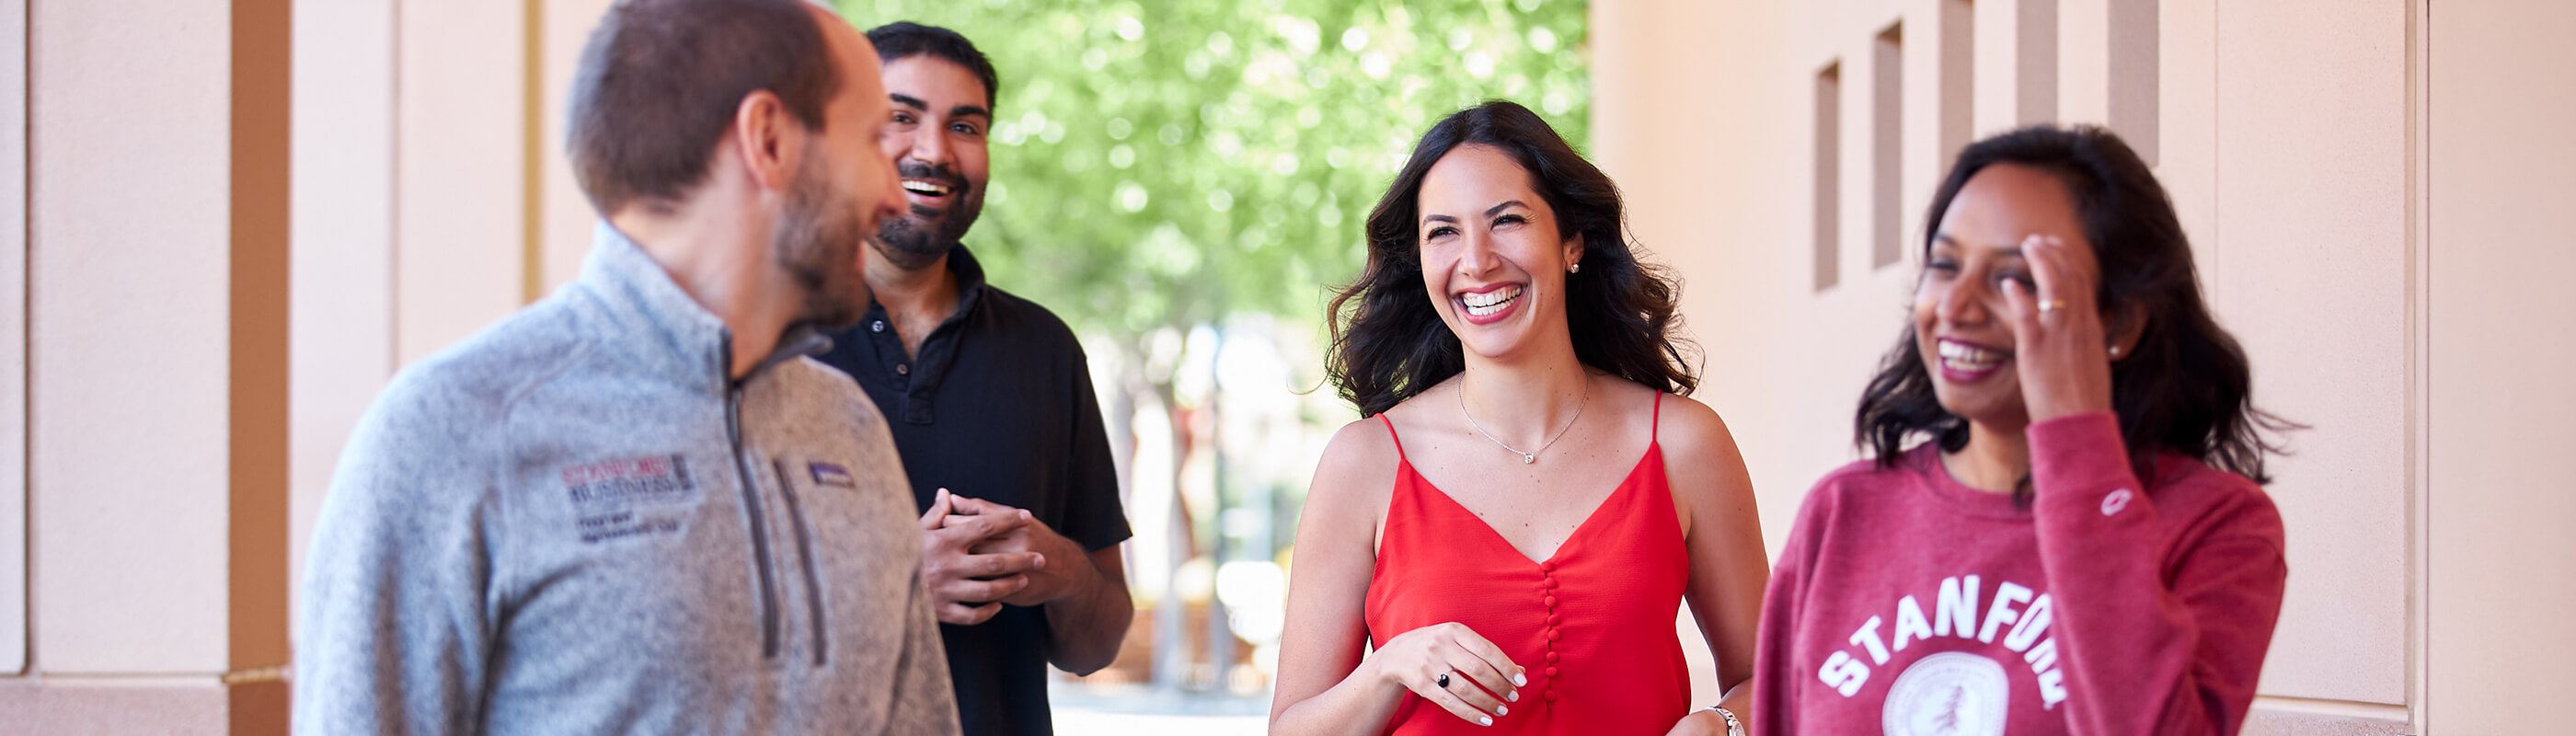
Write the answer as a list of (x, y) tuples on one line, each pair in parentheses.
[(1828, 176), (1887, 145)]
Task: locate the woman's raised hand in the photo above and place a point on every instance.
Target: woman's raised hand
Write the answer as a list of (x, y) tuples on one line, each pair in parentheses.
[(2059, 349)]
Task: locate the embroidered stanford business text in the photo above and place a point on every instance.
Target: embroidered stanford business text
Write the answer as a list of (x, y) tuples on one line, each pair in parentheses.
[(619, 498)]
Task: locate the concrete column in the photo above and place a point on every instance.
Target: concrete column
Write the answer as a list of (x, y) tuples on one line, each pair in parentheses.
[(2503, 524), (13, 337), (157, 322), (2310, 270)]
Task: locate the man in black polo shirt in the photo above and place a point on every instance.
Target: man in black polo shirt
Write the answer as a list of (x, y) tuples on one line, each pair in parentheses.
[(989, 395)]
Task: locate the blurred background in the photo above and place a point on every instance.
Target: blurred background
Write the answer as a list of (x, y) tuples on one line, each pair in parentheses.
[(224, 225)]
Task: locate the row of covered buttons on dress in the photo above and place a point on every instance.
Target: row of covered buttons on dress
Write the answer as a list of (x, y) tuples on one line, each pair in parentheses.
[(1547, 595)]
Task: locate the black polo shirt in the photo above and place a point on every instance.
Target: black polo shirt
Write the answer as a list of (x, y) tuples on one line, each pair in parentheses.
[(997, 406)]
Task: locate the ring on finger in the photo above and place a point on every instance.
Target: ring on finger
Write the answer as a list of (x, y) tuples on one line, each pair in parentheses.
[(1442, 680), (2051, 305)]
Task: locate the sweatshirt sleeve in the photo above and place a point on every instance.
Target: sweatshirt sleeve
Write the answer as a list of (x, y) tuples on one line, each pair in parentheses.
[(394, 632), (1776, 686), (924, 702), (2158, 638)]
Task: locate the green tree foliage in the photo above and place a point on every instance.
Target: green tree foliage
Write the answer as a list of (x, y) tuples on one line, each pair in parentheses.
[(1166, 163)]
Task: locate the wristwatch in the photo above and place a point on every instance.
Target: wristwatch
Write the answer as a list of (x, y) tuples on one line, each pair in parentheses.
[(1733, 727)]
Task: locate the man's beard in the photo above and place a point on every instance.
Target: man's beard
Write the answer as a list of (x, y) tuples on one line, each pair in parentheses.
[(909, 241), (817, 241)]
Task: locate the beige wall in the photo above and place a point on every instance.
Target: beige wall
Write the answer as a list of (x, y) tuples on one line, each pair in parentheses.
[(13, 335), (461, 135), (485, 204), (155, 367), (566, 214), (2291, 135), (343, 277), (2307, 263), (129, 327), (431, 196), (1704, 172), (2502, 521), (175, 467)]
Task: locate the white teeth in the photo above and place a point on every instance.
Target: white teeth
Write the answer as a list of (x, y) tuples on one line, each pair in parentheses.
[(1490, 298), (1490, 302), (1968, 357), (923, 187)]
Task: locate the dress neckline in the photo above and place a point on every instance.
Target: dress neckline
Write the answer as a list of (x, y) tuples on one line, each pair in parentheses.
[(1654, 453)]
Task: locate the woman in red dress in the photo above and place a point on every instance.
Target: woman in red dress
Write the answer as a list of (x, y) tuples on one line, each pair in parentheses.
[(1500, 545)]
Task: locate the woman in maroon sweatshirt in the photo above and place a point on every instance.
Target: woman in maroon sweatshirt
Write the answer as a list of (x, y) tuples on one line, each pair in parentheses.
[(2076, 541)]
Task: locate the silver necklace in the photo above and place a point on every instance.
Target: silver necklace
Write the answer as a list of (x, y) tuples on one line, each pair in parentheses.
[(1526, 457)]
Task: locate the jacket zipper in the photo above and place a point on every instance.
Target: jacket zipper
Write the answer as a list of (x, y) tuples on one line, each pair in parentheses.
[(805, 554), (759, 525)]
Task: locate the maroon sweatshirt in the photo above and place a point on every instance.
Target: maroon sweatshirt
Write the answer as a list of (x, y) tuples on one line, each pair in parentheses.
[(1908, 603)]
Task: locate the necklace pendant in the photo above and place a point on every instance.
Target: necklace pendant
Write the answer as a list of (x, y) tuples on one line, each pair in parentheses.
[(1527, 458)]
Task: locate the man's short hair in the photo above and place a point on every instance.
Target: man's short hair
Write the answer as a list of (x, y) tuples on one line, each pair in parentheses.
[(660, 80), (906, 39)]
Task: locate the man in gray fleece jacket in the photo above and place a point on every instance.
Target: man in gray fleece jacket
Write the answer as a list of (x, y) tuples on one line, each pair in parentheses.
[(636, 506)]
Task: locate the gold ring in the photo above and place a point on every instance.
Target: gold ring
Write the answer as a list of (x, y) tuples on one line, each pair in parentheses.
[(2051, 305)]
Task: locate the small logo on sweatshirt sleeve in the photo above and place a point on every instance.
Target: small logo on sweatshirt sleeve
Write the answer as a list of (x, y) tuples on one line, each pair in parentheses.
[(2119, 499)]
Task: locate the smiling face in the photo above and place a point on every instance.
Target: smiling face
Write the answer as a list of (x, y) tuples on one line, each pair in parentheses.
[(1492, 262), (1959, 321), (936, 136), (843, 187)]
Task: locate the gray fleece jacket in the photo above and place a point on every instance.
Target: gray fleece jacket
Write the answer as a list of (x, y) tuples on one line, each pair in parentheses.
[(575, 523)]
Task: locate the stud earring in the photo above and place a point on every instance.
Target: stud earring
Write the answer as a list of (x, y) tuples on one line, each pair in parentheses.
[(1576, 268), (2115, 351)]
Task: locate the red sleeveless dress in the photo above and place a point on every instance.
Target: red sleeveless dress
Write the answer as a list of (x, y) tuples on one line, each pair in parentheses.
[(1594, 624)]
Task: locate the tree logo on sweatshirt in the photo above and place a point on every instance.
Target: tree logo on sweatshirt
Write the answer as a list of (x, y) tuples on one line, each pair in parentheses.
[(1948, 694)]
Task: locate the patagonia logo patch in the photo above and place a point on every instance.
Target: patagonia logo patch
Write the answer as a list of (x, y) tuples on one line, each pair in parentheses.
[(629, 497), (831, 474)]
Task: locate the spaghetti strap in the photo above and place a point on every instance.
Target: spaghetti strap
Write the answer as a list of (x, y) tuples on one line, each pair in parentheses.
[(1390, 434), (1653, 432)]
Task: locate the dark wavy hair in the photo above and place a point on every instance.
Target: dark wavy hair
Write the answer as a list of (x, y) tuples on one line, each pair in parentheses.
[(2185, 388), (1388, 341)]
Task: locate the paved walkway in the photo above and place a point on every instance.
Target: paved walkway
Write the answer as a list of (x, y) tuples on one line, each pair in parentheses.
[(1144, 712)]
